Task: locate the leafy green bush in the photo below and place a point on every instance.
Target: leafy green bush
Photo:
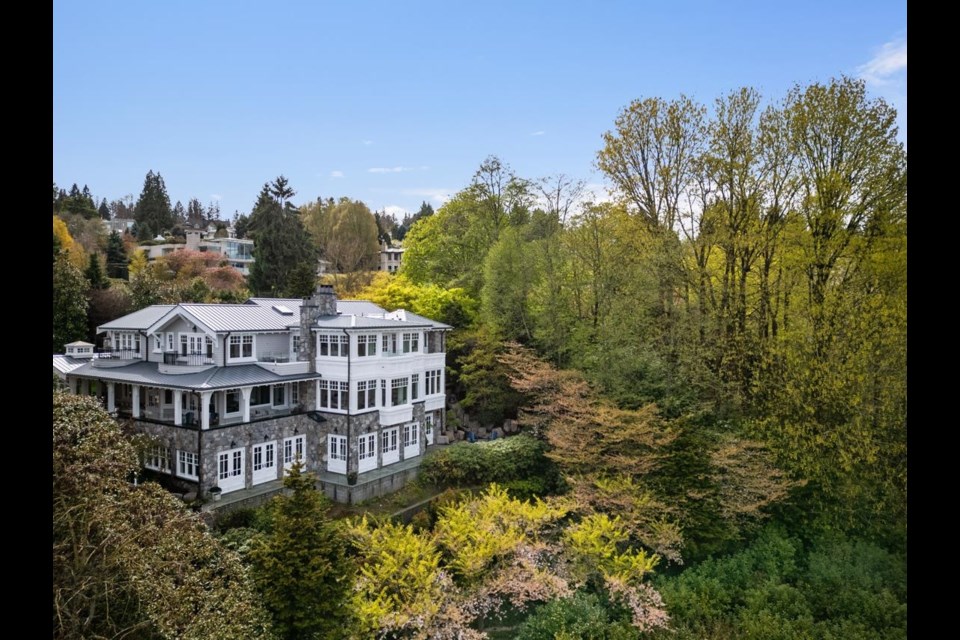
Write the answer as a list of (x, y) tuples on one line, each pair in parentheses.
[(582, 616), (777, 590), (504, 461)]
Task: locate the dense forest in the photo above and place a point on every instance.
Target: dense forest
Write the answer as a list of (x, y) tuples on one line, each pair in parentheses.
[(708, 369)]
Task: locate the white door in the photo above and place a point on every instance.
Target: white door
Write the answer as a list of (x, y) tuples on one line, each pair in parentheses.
[(411, 440), (230, 470), (294, 448), (390, 445), (264, 462), (367, 452), (428, 429), (337, 454)]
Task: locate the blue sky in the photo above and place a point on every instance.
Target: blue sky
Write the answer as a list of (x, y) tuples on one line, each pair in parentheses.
[(396, 102)]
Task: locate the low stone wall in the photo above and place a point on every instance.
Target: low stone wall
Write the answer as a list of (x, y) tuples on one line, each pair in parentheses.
[(352, 494)]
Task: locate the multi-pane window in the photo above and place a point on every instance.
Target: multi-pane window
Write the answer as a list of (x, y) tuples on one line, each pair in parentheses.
[(411, 434), (366, 346), (338, 447), (260, 395), (293, 449), (230, 465), (294, 392), (411, 342), (263, 457), (241, 346), (187, 464), (332, 394), (333, 345), (157, 458), (389, 343), (383, 393), (398, 391), (414, 386), (158, 342), (367, 447), (388, 441), (170, 341), (296, 345), (433, 382), (366, 394), (279, 397)]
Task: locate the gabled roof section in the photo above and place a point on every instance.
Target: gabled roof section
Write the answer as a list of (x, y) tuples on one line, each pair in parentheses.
[(138, 320), (244, 317), (180, 311), (80, 343)]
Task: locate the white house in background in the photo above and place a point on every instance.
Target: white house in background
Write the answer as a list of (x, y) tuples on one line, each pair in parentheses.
[(233, 393), (237, 251), (390, 258)]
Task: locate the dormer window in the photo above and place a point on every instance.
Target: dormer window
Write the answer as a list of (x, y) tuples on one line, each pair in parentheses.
[(241, 347)]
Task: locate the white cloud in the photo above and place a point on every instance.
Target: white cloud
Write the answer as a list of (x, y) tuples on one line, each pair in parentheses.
[(438, 195), (389, 169), (596, 192), (889, 61), (538, 133), (336, 174), (396, 211), (367, 143), (216, 196)]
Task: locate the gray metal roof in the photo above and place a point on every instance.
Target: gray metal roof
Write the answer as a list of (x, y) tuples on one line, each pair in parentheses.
[(413, 318), (241, 317), (66, 364), (147, 373), (138, 320)]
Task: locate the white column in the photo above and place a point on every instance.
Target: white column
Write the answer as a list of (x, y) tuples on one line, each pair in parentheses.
[(135, 408), (111, 397), (245, 393), (205, 409), (178, 408)]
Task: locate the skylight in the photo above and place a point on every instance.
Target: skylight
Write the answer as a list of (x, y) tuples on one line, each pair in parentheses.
[(283, 310)]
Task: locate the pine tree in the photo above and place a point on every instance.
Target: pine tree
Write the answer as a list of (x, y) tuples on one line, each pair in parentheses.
[(116, 257), (69, 303), (104, 210), (195, 214), (300, 566), (282, 243), (94, 273), (152, 212)]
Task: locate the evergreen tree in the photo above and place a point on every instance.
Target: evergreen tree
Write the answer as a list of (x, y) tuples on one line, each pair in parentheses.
[(152, 212), (240, 225), (94, 273), (69, 303), (281, 241), (195, 214), (116, 257), (303, 280), (179, 217), (104, 210), (300, 566)]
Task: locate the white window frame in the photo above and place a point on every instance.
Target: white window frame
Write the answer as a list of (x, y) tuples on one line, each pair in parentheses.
[(157, 457), (414, 386), (336, 453), (275, 390), (333, 395), (291, 448), (395, 385), (264, 457), (158, 343), (332, 345), (366, 395), (428, 428), (231, 469), (242, 342), (188, 464), (171, 346), (390, 445), (411, 440), (260, 402), (411, 342), (366, 452), (366, 346)]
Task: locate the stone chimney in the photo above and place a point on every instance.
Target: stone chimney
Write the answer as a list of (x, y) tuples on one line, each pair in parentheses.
[(322, 303)]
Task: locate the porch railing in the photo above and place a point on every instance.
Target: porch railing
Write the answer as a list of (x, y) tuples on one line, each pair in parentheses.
[(191, 359), (118, 354)]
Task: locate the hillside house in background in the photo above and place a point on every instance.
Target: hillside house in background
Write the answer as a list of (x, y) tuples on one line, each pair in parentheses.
[(232, 394), (238, 251), (390, 258)]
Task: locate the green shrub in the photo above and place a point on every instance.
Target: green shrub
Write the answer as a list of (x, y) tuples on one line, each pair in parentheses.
[(582, 616), (507, 460)]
